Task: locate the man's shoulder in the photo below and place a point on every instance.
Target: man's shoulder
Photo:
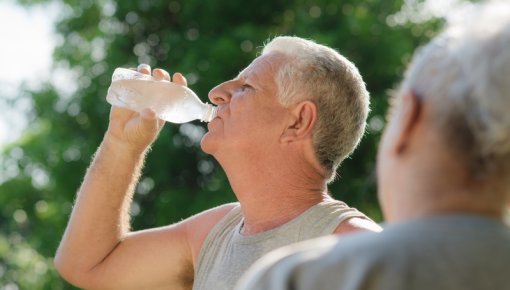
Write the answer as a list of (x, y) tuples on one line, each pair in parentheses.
[(200, 225), (361, 250), (209, 218), (220, 210), (350, 256), (302, 263)]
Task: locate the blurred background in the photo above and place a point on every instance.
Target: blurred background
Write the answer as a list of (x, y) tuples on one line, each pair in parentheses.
[(57, 59)]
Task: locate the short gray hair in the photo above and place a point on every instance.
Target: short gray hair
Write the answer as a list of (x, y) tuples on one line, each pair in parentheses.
[(465, 73), (320, 74)]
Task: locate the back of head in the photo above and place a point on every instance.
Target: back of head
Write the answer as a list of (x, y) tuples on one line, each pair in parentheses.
[(320, 74), (464, 73)]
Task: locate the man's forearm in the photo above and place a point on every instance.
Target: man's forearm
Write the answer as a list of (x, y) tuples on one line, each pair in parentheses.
[(100, 218)]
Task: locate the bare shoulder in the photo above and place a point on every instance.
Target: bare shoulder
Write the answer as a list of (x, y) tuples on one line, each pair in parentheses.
[(356, 224), (198, 226), (215, 212)]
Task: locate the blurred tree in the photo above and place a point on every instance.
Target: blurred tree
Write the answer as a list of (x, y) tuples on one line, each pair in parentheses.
[(209, 41)]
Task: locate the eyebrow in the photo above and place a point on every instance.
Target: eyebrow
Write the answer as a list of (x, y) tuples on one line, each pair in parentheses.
[(239, 75)]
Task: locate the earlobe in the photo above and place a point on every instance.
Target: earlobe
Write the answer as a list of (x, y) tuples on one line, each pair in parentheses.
[(303, 117)]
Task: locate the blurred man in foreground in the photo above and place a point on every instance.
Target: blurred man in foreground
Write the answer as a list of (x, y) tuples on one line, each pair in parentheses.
[(283, 127), (443, 173)]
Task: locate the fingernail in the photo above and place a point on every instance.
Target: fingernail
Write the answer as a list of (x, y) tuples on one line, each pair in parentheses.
[(143, 66), (166, 74)]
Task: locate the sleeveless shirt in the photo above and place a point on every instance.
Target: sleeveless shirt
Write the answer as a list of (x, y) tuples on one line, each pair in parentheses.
[(226, 254)]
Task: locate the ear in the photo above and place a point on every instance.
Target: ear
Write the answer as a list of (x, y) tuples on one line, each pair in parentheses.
[(303, 117), (407, 118)]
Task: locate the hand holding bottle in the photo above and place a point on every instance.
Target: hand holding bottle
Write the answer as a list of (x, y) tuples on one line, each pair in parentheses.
[(138, 130)]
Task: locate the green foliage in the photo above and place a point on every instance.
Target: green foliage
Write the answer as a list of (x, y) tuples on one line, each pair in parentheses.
[(22, 267), (209, 41)]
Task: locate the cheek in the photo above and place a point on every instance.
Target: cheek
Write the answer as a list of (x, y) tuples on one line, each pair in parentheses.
[(252, 115), (385, 172), (384, 197), (245, 115), (382, 154)]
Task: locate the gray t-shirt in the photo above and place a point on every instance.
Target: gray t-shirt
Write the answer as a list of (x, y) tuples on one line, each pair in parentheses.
[(451, 252), (226, 254)]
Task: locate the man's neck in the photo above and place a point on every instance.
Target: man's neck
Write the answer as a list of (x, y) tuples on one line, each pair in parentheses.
[(446, 198), (270, 198)]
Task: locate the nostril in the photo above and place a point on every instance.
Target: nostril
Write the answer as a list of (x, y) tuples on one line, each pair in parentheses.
[(221, 93), (215, 99), (218, 97), (213, 95)]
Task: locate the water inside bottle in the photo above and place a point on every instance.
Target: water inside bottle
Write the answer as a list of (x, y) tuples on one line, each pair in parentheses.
[(170, 101)]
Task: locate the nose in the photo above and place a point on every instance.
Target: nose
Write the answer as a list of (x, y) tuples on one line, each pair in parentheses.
[(220, 94)]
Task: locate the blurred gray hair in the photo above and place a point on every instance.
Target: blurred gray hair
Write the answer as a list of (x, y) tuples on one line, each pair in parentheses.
[(465, 72), (318, 73)]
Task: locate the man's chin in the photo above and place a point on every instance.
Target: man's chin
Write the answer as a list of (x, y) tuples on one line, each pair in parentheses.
[(206, 144)]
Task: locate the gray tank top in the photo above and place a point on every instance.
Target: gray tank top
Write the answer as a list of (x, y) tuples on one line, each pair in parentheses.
[(226, 254)]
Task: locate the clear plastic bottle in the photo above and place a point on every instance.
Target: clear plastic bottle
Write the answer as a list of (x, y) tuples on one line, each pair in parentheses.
[(171, 102)]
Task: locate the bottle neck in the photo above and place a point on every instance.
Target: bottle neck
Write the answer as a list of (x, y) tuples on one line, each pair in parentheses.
[(209, 113)]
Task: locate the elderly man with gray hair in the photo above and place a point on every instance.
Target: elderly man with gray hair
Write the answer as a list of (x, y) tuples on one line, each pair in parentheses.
[(284, 125), (443, 174)]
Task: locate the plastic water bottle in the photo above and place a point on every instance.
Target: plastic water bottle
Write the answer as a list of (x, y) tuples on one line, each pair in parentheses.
[(170, 101)]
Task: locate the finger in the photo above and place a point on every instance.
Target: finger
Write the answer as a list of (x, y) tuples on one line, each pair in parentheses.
[(148, 114), (160, 74), (150, 122), (180, 79), (144, 68)]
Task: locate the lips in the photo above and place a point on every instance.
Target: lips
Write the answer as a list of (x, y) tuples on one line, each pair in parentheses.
[(210, 124)]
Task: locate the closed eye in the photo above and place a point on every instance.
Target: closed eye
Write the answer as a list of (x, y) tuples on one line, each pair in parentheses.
[(246, 87)]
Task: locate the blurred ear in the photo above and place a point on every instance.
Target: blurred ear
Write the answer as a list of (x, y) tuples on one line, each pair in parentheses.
[(301, 123), (407, 119)]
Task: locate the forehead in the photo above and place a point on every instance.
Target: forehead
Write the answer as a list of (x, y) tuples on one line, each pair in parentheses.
[(264, 66)]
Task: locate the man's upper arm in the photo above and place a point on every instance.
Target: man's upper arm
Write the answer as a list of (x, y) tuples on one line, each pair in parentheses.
[(159, 258)]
